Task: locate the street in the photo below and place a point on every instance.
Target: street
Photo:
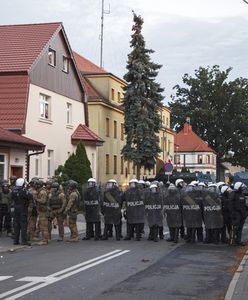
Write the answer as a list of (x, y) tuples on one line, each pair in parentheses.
[(118, 270)]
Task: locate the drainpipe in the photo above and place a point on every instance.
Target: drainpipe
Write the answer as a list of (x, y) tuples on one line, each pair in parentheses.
[(28, 160)]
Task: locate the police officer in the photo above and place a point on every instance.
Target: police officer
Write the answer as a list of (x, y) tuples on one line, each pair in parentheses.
[(21, 199), (92, 208), (226, 201), (5, 206), (56, 207)]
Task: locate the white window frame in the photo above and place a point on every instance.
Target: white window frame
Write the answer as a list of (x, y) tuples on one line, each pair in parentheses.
[(4, 163), (65, 66), (45, 109), (50, 155), (68, 113), (52, 56)]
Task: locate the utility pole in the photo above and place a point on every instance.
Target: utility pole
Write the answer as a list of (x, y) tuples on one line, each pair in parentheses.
[(101, 36)]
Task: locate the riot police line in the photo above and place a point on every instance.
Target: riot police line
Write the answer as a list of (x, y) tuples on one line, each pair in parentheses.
[(194, 212)]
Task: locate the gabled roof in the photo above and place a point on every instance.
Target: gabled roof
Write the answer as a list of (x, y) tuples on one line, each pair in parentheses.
[(83, 133), (21, 45), (87, 67), (11, 139), (90, 91), (188, 141), (13, 101)]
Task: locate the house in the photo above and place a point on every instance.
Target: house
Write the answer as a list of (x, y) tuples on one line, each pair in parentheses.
[(14, 158), (193, 153), (106, 118), (42, 95)]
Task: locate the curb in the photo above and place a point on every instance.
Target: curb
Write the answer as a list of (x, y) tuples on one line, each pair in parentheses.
[(235, 278)]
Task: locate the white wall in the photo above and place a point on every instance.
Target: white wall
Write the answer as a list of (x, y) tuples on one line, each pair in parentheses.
[(55, 134)]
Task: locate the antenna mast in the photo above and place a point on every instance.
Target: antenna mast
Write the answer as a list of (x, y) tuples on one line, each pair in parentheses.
[(101, 36)]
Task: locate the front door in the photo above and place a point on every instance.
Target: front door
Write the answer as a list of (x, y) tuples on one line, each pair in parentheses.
[(16, 171)]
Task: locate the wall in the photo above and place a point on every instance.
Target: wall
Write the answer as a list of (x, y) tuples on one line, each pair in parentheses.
[(55, 134)]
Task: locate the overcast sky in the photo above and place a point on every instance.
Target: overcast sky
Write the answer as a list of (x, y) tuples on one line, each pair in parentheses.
[(185, 34)]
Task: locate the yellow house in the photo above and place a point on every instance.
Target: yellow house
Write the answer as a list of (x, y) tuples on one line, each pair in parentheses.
[(106, 118)]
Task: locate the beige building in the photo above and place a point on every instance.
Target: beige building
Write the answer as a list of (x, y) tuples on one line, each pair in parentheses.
[(106, 118)]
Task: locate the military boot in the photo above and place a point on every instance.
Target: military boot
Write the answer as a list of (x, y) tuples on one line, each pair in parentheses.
[(176, 235)]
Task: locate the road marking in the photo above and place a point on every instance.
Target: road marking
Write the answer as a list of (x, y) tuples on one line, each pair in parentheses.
[(41, 282), (2, 278)]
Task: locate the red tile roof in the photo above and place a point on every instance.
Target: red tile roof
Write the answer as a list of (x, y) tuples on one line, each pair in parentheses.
[(83, 132), (20, 45), (87, 67), (13, 101), (9, 137), (90, 91), (188, 141)]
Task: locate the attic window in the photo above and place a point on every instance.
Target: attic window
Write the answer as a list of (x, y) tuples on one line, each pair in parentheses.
[(52, 57), (65, 64)]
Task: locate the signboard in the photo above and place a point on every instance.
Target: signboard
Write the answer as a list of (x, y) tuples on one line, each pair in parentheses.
[(168, 167)]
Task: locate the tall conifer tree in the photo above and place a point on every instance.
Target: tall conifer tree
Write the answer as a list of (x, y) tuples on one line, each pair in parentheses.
[(142, 100)]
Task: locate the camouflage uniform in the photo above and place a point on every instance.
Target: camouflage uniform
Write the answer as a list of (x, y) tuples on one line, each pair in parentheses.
[(71, 210), (41, 202), (56, 205), (5, 213), (32, 214)]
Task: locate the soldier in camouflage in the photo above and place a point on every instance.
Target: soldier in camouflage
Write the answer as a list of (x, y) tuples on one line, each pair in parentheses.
[(5, 213)]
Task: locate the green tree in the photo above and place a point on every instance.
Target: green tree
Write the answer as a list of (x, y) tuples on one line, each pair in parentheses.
[(218, 112), (76, 167), (142, 100)]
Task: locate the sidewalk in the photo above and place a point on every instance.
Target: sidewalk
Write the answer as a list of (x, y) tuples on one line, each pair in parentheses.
[(6, 243), (238, 288)]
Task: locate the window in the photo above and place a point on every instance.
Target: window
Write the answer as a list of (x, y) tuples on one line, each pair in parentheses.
[(165, 144), (49, 163), (107, 163), (65, 64), (119, 97), (122, 165), (68, 113), (167, 122), (134, 168), (162, 143), (199, 158), (208, 161), (115, 129), (115, 164), (44, 106), (177, 159), (122, 131), (107, 126), (2, 167), (37, 165), (51, 57), (169, 146), (163, 119), (93, 163), (113, 94), (128, 167)]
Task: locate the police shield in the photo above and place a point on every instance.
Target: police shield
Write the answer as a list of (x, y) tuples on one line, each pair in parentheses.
[(212, 212), (173, 208), (154, 208), (191, 207), (134, 201), (91, 203), (111, 206)]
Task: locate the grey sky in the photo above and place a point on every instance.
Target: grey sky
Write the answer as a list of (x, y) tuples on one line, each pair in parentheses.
[(185, 34)]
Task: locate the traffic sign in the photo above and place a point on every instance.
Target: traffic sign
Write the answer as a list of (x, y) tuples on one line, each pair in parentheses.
[(168, 167)]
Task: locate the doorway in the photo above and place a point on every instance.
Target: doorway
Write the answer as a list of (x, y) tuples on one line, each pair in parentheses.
[(16, 171)]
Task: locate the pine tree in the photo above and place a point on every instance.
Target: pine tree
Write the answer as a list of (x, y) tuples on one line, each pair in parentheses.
[(142, 100), (77, 166)]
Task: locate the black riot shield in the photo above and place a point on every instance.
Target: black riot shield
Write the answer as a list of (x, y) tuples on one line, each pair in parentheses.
[(191, 208), (154, 208), (212, 212), (111, 206), (91, 201), (134, 201), (173, 208)]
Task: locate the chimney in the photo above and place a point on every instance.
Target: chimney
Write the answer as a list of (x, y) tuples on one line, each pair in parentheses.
[(187, 128)]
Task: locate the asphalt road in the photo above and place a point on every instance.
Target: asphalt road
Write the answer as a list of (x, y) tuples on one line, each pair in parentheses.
[(118, 270)]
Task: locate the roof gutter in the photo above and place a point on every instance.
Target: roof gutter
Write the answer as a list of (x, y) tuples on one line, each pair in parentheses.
[(28, 159)]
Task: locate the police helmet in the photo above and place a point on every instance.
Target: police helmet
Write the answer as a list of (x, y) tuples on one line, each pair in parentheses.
[(148, 183), (179, 182), (220, 184), (55, 185), (238, 186), (133, 182), (20, 182), (39, 183), (224, 188), (72, 184), (202, 184)]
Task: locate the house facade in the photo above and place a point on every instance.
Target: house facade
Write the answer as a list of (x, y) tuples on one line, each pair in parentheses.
[(193, 153), (41, 93), (106, 118)]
